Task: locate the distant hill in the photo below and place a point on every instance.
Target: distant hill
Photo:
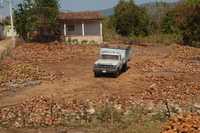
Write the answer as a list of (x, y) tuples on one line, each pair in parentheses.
[(151, 7), (107, 12)]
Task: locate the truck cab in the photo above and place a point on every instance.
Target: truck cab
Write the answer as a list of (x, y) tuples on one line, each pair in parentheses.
[(111, 61)]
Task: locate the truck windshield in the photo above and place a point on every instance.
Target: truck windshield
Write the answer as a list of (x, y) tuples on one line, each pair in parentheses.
[(110, 57)]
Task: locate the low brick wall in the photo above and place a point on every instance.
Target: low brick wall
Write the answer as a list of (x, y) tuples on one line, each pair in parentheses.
[(5, 47)]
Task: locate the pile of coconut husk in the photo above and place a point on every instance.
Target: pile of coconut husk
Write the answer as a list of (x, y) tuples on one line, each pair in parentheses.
[(44, 111), (19, 73), (184, 123), (39, 112)]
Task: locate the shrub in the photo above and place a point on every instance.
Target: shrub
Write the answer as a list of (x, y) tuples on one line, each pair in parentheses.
[(191, 26), (109, 33), (68, 41), (75, 41), (92, 42), (185, 19), (84, 42), (169, 23)]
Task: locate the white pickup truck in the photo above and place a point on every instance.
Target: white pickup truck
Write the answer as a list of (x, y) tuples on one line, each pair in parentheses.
[(112, 60)]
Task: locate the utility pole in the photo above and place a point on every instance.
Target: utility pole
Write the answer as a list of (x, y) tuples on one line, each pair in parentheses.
[(11, 20)]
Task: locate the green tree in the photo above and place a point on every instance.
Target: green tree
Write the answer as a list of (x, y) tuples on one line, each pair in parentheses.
[(188, 21), (168, 24), (184, 19), (23, 19), (193, 2), (191, 27), (46, 12), (130, 19), (36, 16)]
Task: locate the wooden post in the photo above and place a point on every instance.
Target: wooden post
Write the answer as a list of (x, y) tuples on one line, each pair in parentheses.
[(83, 29)]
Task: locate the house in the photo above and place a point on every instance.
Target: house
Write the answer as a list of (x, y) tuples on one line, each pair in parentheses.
[(8, 31), (82, 26)]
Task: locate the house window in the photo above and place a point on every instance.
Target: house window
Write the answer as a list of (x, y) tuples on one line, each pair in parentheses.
[(70, 28)]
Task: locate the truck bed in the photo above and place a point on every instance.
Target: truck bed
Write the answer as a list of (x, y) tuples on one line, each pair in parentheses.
[(125, 48), (116, 46)]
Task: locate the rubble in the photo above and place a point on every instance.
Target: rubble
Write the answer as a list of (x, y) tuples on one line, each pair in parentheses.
[(23, 75), (44, 111), (155, 74), (22, 84), (183, 123)]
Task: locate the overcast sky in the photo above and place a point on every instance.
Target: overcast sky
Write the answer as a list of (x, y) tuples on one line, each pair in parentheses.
[(80, 5)]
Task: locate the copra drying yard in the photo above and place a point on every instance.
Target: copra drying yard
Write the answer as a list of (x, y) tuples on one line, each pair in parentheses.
[(61, 71)]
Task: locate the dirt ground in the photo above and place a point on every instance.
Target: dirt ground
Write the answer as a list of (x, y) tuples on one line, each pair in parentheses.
[(155, 73)]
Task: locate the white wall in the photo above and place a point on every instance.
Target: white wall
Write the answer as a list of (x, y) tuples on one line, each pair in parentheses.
[(92, 28), (8, 31), (92, 31)]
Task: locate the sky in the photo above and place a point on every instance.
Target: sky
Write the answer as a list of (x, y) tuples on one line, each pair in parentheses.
[(82, 5)]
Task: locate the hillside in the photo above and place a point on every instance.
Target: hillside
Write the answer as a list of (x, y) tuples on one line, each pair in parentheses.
[(107, 12), (153, 8)]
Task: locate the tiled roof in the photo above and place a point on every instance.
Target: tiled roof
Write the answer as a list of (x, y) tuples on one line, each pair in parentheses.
[(86, 15)]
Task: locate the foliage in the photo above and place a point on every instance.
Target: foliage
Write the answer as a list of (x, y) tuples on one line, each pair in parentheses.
[(36, 16), (84, 42), (193, 2), (130, 19), (23, 19), (169, 23), (157, 11), (109, 33), (190, 27), (75, 41), (184, 19), (92, 42), (71, 41)]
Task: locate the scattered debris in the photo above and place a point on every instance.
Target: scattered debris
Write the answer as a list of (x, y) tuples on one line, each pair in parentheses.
[(184, 123), (155, 74)]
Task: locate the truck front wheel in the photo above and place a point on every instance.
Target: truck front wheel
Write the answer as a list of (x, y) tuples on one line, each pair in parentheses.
[(125, 67), (116, 74), (96, 74)]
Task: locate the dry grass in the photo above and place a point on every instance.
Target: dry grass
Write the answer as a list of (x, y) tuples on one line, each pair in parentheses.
[(161, 39)]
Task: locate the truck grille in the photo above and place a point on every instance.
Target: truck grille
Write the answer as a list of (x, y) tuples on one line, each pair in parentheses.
[(104, 66)]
